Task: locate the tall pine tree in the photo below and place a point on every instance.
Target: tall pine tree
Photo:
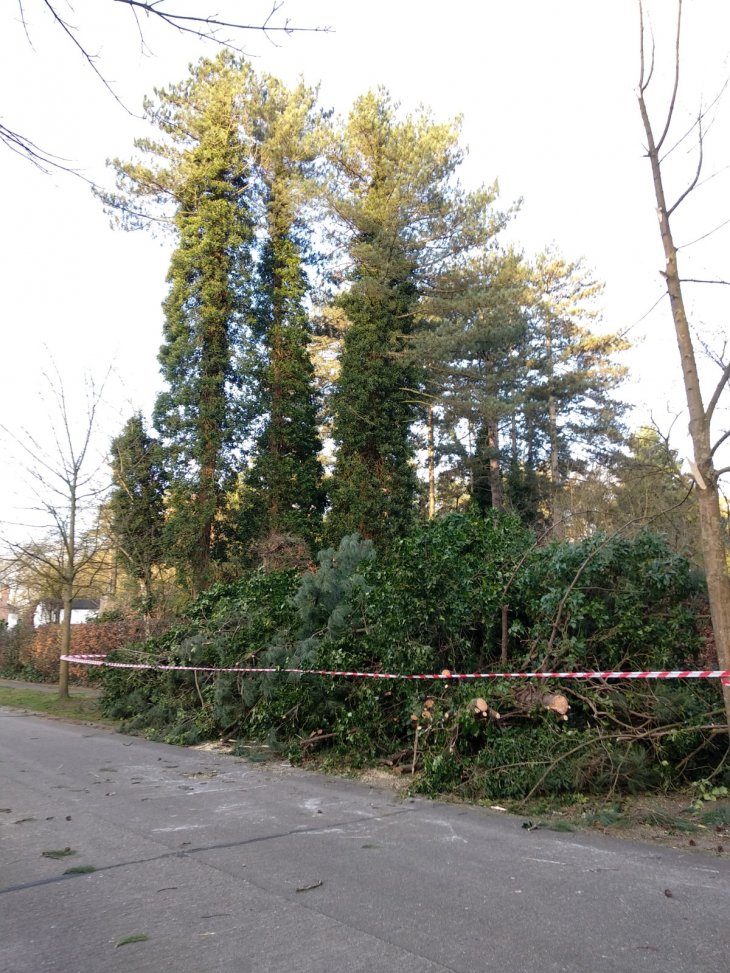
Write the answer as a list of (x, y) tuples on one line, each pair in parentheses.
[(405, 221), (201, 173), (284, 486), (569, 414)]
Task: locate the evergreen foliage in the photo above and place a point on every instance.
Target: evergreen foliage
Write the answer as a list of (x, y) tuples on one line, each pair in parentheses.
[(608, 602), (327, 599), (285, 492), (432, 602), (436, 322), (650, 488), (475, 347), (406, 223), (199, 415), (568, 414), (516, 374), (137, 505), (199, 174)]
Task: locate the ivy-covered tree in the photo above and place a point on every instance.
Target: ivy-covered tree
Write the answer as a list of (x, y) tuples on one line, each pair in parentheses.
[(137, 505), (284, 494), (200, 174), (405, 222)]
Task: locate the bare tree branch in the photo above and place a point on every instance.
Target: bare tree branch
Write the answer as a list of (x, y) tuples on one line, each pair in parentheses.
[(719, 389), (698, 170), (675, 89), (66, 492), (25, 147), (713, 532), (90, 59), (702, 115), (699, 239), (207, 27), (725, 436)]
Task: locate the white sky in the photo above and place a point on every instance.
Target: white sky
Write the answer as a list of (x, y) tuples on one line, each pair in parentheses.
[(546, 91)]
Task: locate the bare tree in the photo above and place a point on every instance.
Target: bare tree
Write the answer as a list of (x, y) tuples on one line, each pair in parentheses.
[(67, 484), (705, 473), (204, 25)]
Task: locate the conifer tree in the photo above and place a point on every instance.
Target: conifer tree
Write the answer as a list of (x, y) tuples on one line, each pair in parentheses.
[(516, 365), (651, 490), (136, 504), (200, 173), (477, 353), (569, 412), (285, 493), (405, 222)]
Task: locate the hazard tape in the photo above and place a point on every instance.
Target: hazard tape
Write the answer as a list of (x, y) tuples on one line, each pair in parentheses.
[(445, 676)]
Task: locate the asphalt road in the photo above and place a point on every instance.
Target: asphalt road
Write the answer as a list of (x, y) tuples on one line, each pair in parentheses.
[(223, 865)]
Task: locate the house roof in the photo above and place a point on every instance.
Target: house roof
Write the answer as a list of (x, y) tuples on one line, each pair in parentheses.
[(78, 604)]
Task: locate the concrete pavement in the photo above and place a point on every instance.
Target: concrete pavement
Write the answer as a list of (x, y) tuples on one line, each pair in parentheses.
[(226, 865)]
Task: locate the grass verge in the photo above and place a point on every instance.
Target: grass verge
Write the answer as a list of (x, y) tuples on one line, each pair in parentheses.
[(49, 704), (679, 820)]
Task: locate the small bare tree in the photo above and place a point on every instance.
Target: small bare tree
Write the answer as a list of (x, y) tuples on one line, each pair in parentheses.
[(67, 484), (704, 445)]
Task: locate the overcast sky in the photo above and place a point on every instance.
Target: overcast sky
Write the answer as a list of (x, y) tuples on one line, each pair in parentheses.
[(546, 91)]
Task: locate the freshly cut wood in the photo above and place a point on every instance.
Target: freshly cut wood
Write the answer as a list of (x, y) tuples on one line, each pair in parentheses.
[(529, 697), (427, 711), (557, 703), (484, 710)]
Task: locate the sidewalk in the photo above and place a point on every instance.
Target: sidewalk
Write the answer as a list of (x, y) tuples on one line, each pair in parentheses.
[(51, 687)]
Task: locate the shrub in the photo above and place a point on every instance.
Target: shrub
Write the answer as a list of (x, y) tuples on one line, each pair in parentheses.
[(435, 601)]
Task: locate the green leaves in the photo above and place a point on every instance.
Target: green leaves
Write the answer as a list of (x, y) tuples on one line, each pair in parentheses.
[(608, 603)]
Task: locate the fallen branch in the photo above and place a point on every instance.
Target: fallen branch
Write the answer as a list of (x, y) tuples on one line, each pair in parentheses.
[(317, 737)]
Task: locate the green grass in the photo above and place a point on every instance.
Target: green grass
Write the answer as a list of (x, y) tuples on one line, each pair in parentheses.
[(49, 703), (718, 815), (671, 822)]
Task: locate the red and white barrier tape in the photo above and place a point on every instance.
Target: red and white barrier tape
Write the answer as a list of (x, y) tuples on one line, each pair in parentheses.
[(446, 675)]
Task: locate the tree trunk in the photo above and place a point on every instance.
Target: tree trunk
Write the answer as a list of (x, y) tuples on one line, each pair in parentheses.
[(495, 471), (431, 468), (67, 590), (65, 641), (557, 511), (705, 476)]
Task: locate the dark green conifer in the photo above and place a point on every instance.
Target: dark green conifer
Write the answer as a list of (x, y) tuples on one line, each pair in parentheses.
[(137, 505), (284, 493), (201, 173)]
